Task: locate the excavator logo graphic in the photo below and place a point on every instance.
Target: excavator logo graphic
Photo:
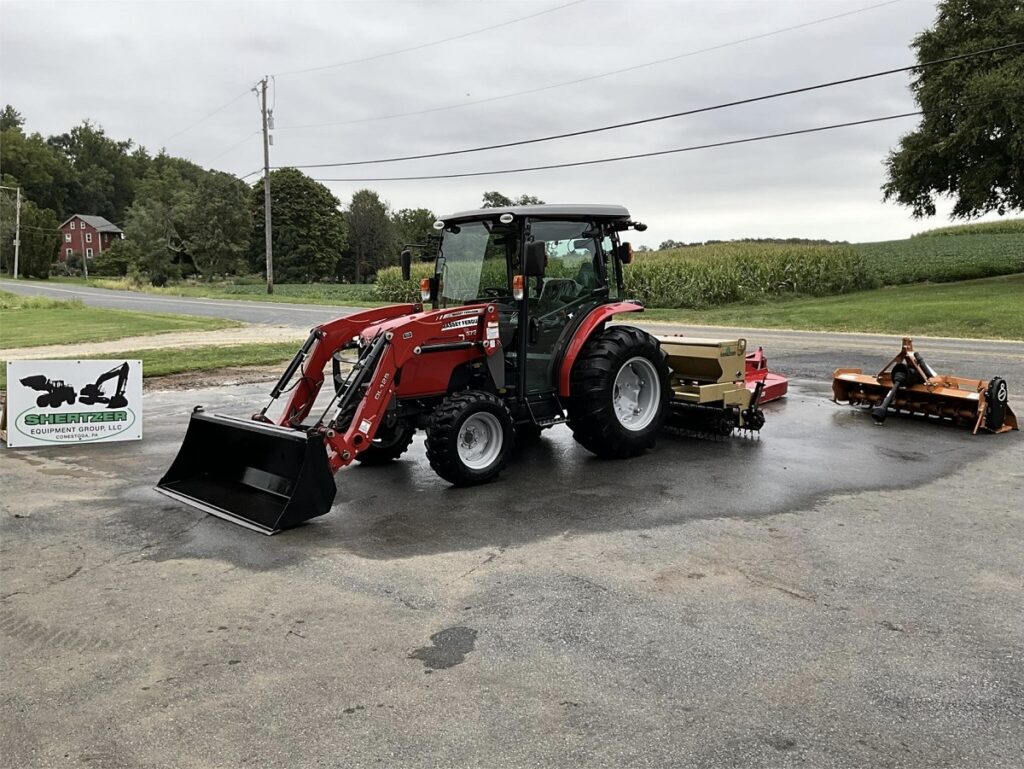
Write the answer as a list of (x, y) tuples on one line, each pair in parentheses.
[(57, 393)]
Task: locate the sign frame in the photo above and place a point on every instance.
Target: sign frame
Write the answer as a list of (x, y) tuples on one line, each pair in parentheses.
[(72, 402)]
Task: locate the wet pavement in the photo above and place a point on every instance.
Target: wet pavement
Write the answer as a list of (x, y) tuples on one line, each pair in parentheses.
[(830, 594)]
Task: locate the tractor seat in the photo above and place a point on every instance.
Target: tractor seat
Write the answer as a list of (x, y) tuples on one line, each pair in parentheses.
[(557, 292)]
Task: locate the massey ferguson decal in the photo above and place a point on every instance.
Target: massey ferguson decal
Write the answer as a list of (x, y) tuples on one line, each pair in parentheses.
[(464, 323), (68, 401)]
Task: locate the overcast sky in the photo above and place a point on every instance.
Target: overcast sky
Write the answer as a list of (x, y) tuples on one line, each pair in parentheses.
[(147, 70)]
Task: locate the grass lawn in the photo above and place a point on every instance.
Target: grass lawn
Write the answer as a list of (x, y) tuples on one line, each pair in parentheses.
[(177, 360), (30, 321), (991, 308)]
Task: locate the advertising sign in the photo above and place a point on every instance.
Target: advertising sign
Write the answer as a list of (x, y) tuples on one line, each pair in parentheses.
[(51, 402)]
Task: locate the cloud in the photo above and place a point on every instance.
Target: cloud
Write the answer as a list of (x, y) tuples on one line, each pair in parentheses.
[(145, 70)]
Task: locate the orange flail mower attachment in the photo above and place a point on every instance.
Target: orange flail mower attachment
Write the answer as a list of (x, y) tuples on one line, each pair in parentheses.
[(908, 385)]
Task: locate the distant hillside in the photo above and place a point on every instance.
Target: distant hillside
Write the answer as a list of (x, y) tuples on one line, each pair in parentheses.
[(941, 259), (1002, 226)]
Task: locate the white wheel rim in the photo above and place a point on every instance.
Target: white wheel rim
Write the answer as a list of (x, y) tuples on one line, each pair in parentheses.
[(479, 441), (636, 394)]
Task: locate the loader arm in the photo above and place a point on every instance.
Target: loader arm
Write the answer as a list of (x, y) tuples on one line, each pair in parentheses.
[(314, 356), (467, 332)]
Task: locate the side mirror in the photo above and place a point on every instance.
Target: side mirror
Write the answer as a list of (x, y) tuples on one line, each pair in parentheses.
[(536, 259), (406, 261), (624, 253)]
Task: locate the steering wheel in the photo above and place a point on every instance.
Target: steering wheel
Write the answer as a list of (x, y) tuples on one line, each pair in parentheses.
[(495, 291)]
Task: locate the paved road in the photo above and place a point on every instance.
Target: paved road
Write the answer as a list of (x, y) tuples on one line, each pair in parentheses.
[(796, 353), (276, 313), (833, 594)]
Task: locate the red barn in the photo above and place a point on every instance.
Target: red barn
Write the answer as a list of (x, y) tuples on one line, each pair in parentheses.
[(87, 236)]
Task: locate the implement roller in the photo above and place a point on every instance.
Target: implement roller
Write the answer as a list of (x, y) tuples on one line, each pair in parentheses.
[(908, 385)]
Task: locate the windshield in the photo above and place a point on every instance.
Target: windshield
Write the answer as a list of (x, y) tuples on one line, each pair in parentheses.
[(474, 261)]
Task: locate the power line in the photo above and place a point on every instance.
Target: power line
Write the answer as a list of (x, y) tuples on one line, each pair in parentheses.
[(669, 116), (656, 153), (239, 143), (432, 43), (593, 77), (203, 119)]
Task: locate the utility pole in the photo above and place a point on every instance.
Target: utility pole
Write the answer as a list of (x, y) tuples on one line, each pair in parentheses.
[(17, 225), (17, 230), (267, 227)]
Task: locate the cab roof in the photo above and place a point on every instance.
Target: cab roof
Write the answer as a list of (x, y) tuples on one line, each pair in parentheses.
[(569, 210)]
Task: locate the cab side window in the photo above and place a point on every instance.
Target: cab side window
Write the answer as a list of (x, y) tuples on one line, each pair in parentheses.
[(614, 289), (573, 264)]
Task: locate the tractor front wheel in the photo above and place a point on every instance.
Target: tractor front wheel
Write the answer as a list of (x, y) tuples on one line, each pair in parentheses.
[(469, 437), (619, 393), (390, 443)]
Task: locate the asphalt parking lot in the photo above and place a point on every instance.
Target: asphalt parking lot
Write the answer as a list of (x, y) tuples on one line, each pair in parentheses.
[(831, 594)]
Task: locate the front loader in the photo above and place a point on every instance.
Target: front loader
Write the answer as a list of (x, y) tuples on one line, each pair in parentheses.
[(516, 339)]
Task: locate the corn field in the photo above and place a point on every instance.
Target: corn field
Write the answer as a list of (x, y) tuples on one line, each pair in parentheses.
[(722, 273), (708, 276)]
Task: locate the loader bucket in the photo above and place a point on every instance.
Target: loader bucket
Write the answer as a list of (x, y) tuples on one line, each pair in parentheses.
[(260, 476)]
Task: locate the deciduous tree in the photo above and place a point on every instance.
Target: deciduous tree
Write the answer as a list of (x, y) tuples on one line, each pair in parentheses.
[(309, 233), (218, 225), (39, 236), (156, 224), (413, 225), (968, 146), (495, 199), (106, 171), (370, 235)]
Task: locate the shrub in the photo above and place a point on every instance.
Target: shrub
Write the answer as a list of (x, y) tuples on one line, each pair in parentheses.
[(114, 262), (391, 288)]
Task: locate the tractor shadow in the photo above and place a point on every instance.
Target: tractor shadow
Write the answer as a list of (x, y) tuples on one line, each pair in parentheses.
[(810, 448)]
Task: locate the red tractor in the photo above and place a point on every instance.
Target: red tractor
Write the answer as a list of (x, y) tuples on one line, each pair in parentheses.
[(516, 340)]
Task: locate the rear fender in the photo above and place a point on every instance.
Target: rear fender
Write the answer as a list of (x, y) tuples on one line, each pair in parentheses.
[(594, 322)]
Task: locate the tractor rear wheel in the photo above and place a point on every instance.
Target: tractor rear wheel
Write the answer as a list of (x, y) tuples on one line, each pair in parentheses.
[(469, 437), (390, 443), (619, 393)]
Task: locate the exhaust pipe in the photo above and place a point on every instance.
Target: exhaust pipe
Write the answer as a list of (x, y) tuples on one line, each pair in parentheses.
[(260, 476)]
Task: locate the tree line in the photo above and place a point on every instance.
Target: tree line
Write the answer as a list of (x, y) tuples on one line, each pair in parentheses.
[(181, 220)]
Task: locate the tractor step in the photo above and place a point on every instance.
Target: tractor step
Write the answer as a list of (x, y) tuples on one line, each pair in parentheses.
[(546, 411), (552, 421)]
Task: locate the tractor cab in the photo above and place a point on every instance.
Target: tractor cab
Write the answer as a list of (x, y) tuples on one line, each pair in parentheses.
[(545, 267)]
